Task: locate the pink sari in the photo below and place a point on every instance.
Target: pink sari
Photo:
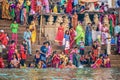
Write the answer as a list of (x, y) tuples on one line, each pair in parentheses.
[(11, 51)]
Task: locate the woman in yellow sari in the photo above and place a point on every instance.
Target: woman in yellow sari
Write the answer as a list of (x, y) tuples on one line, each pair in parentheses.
[(32, 28), (5, 10)]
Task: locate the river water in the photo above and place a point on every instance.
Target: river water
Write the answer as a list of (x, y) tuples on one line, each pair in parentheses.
[(60, 74)]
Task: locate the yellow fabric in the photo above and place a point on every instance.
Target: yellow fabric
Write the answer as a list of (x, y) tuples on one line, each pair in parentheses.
[(33, 28), (55, 9), (5, 10)]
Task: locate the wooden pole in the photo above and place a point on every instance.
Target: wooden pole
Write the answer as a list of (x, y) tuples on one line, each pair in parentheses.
[(40, 29)]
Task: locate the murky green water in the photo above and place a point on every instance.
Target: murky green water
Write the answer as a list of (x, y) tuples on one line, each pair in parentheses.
[(58, 74)]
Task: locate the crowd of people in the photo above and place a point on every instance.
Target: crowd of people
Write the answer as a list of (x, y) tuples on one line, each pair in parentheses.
[(103, 30), (24, 11)]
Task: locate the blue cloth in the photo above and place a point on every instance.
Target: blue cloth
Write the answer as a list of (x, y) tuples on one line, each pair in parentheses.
[(75, 2), (67, 37), (43, 57), (44, 49), (27, 36), (37, 60), (88, 36)]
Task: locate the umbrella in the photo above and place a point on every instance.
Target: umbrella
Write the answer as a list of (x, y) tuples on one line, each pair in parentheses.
[(89, 0)]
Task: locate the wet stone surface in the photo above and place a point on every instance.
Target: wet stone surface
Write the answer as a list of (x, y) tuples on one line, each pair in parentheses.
[(60, 74)]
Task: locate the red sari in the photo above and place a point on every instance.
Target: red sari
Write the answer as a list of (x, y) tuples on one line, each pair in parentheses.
[(60, 35), (3, 38), (72, 36), (33, 5), (69, 6), (56, 61)]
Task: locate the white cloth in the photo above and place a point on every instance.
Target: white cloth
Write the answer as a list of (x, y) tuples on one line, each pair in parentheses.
[(66, 44), (108, 41), (95, 35)]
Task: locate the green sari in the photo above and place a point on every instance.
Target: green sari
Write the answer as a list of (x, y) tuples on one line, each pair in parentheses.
[(80, 34)]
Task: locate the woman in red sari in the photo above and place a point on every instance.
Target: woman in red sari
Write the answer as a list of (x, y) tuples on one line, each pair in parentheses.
[(33, 5), (69, 6), (60, 34), (72, 36)]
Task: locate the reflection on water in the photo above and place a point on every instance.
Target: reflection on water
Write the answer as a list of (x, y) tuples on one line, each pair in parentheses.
[(58, 74)]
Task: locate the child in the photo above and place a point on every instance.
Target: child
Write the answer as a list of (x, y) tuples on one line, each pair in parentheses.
[(49, 49), (66, 41), (95, 49), (56, 60), (82, 46), (37, 57), (108, 41)]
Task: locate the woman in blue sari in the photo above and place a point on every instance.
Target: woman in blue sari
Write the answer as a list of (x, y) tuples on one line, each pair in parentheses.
[(88, 35)]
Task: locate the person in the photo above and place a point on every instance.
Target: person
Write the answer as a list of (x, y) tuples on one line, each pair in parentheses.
[(23, 54), (80, 33), (17, 12), (95, 49), (24, 15), (72, 36), (118, 43), (56, 60), (46, 4), (104, 31), (5, 10), (4, 38), (32, 28), (12, 9), (88, 35), (39, 5), (37, 57), (108, 41), (11, 50), (66, 41), (69, 6), (44, 50), (107, 62), (27, 37), (98, 63), (14, 28), (74, 20), (60, 34), (14, 62), (82, 46), (49, 52), (116, 31)]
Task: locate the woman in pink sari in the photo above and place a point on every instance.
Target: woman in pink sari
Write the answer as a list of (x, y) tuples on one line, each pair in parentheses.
[(11, 50), (46, 6), (104, 30), (60, 34)]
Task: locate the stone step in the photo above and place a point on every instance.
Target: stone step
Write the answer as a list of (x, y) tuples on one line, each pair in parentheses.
[(115, 65), (114, 61), (114, 57)]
